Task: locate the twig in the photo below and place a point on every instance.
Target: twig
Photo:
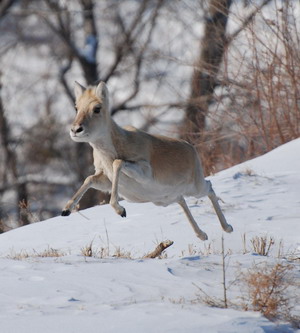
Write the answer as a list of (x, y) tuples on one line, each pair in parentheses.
[(246, 22), (159, 249), (83, 215), (224, 274)]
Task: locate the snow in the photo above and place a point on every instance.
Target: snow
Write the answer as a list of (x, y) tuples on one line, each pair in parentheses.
[(73, 293)]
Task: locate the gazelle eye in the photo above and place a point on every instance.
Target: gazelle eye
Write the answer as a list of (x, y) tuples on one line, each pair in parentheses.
[(97, 109), (76, 108)]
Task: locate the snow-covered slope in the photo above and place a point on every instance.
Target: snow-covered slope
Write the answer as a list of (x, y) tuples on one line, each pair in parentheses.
[(73, 293)]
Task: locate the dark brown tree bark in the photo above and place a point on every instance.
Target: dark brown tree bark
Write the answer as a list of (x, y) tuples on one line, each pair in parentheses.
[(88, 63), (10, 158), (5, 6), (11, 165), (86, 57), (204, 79)]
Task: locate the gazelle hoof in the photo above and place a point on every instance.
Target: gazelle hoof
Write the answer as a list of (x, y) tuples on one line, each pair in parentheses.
[(123, 213), (65, 212), (202, 236), (228, 229)]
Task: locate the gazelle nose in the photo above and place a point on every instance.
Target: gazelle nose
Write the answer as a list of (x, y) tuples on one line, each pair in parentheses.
[(77, 129)]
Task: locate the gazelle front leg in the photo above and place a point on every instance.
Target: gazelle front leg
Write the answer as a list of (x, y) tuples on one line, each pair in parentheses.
[(114, 198), (98, 181)]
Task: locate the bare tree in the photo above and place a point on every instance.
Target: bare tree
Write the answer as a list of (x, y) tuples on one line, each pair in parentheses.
[(206, 75), (204, 78), (86, 57), (9, 160), (74, 43), (10, 164)]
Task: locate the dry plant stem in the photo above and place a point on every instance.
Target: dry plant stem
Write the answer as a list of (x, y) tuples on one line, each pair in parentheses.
[(262, 245), (107, 238), (244, 239), (224, 274), (159, 249), (88, 250), (209, 300)]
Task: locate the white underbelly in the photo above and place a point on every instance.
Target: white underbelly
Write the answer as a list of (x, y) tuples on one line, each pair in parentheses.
[(152, 191)]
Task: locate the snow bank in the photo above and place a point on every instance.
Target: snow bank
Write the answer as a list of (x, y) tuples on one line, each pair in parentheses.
[(72, 293)]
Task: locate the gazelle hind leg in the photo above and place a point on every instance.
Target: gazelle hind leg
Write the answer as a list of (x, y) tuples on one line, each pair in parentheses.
[(201, 234), (214, 199)]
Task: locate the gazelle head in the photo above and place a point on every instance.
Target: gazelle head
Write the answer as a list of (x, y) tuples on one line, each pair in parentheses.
[(92, 119)]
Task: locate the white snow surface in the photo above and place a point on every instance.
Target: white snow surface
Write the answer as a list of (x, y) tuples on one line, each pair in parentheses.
[(74, 293)]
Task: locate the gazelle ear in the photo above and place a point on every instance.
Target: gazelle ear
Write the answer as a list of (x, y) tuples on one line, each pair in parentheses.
[(78, 90), (102, 92)]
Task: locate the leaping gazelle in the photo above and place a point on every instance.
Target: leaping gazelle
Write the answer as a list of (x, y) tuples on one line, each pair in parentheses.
[(136, 165)]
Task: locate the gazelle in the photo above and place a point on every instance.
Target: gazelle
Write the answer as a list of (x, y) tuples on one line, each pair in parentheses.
[(138, 166)]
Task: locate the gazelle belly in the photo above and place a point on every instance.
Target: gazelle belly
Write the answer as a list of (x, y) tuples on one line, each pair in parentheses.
[(151, 191)]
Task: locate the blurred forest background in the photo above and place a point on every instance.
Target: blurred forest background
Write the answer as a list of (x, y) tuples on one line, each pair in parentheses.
[(222, 74)]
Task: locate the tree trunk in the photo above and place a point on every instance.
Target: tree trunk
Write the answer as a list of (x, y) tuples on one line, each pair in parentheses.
[(88, 64), (11, 164), (204, 79)]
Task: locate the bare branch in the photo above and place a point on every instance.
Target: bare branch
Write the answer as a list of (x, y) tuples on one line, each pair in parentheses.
[(4, 7), (91, 34), (246, 22), (137, 107), (62, 34), (159, 249), (62, 73), (129, 34), (87, 56), (23, 181), (139, 61)]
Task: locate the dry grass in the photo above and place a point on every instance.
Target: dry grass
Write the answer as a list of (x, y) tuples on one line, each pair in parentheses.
[(48, 253), (209, 300), (256, 109), (2, 227), (266, 289), (215, 301), (121, 253), (87, 251), (262, 245), (205, 249), (294, 256), (104, 252)]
